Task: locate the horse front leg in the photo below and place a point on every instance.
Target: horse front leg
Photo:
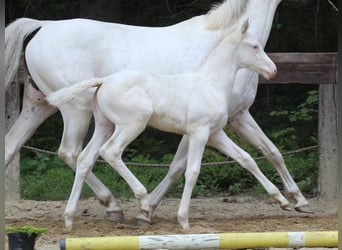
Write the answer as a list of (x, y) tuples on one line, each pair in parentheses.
[(177, 167), (75, 127), (35, 110), (246, 127), (197, 144), (221, 142)]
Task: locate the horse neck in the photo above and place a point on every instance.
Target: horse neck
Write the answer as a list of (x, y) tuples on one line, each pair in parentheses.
[(261, 14), (221, 65)]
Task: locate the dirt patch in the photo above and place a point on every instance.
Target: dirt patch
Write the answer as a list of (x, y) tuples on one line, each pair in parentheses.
[(210, 215)]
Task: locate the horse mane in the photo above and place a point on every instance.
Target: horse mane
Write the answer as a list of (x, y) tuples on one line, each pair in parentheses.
[(223, 14)]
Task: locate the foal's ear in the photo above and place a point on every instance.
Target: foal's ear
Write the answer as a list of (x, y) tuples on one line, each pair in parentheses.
[(245, 26)]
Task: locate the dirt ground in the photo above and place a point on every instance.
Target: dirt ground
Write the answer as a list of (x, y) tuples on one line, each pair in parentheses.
[(210, 215)]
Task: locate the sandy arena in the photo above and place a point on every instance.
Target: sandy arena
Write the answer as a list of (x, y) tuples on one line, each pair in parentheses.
[(210, 215)]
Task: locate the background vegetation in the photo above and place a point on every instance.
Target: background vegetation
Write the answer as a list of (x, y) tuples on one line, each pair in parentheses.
[(288, 114)]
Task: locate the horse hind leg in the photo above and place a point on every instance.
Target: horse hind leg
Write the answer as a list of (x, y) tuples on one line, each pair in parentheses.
[(245, 126), (85, 162), (35, 110), (76, 124), (111, 152), (221, 142)]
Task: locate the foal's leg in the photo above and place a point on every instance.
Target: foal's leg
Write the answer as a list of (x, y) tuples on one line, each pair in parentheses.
[(111, 152), (86, 160), (197, 144), (35, 110), (221, 142), (176, 169), (245, 126), (76, 124)]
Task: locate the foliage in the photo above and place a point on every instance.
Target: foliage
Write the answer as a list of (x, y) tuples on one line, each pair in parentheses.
[(57, 178), (298, 130), (29, 230)]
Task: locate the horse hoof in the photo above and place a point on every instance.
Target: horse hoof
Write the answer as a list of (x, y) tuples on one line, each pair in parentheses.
[(143, 221), (305, 209), (115, 216), (286, 207), (67, 230)]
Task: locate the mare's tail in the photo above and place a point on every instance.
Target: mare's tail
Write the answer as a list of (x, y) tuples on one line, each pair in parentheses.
[(15, 35), (66, 94)]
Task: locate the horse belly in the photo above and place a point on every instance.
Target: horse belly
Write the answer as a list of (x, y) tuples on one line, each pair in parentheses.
[(168, 123), (169, 112)]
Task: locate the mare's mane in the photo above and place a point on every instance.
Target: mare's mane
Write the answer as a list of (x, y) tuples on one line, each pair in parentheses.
[(226, 13)]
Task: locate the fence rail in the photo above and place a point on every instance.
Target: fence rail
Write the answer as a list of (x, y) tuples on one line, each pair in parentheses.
[(204, 164), (304, 68)]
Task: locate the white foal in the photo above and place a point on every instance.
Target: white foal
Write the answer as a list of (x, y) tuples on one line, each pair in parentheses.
[(194, 104)]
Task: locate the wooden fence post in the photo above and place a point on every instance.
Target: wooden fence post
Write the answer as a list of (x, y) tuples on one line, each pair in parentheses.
[(316, 68), (12, 173), (327, 137), (12, 111)]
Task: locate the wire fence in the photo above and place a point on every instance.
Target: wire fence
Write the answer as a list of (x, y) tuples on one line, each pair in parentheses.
[(204, 164)]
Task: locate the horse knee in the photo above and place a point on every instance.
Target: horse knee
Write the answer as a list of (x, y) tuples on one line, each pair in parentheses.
[(68, 157), (176, 170), (247, 162), (276, 157), (191, 176), (83, 169), (110, 154), (103, 152)]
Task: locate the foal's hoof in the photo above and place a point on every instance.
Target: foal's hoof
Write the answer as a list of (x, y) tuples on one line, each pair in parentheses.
[(143, 221), (286, 207), (68, 226), (305, 209), (115, 216)]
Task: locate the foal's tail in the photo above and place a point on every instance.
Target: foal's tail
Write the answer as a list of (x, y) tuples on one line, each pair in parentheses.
[(66, 94), (15, 35)]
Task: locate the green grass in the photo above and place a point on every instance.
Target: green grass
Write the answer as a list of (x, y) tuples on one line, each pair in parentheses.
[(48, 178)]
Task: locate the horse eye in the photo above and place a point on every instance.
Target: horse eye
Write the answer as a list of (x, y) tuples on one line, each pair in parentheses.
[(255, 47)]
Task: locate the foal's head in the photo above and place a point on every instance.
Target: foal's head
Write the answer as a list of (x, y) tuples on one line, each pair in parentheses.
[(250, 54)]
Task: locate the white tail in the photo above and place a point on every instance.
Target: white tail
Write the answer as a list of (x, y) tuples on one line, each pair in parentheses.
[(66, 94), (15, 34)]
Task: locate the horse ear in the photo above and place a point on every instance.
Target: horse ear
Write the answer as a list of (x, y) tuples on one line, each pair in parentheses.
[(245, 26)]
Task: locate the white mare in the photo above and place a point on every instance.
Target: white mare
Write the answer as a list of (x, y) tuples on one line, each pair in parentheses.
[(63, 53), (193, 104)]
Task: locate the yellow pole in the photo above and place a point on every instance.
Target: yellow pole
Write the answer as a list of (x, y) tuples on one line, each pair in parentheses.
[(278, 239), (205, 241), (103, 243)]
